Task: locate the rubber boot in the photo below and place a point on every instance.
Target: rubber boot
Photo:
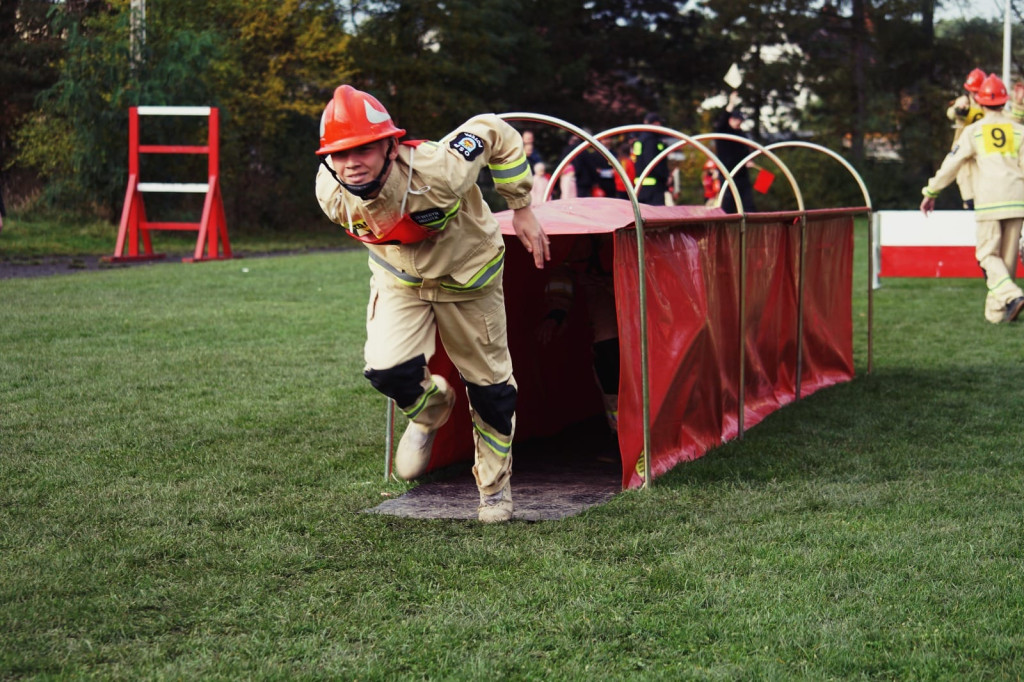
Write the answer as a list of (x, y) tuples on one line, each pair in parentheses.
[(493, 472), (413, 454), (497, 507)]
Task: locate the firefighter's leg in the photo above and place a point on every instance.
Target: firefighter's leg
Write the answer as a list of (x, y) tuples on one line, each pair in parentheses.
[(427, 400), (474, 335), (494, 423), (399, 325), (1010, 243), (1011, 230), (995, 250)]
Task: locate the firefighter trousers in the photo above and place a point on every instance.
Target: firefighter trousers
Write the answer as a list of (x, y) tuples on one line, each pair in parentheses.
[(402, 324), (998, 248)]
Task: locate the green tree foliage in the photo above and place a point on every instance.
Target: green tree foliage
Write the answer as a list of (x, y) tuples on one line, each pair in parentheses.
[(881, 73), (441, 60), (883, 76), (29, 54), (758, 38), (595, 63), (267, 65), (77, 139), (651, 55), (433, 64), (284, 58)]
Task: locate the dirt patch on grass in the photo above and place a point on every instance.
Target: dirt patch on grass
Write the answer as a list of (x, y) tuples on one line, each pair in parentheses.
[(46, 266)]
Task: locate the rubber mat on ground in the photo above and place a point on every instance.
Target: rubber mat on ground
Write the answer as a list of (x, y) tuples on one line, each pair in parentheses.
[(552, 479)]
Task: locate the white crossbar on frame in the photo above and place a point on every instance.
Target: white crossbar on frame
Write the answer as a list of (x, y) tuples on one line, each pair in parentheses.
[(178, 187), (174, 111)]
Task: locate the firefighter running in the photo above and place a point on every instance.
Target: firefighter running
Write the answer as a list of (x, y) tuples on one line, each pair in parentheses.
[(993, 145), (964, 111), (436, 257)]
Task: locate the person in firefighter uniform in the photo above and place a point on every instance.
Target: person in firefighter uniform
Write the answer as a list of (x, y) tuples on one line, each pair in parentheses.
[(645, 148), (436, 256), (963, 111), (993, 145)]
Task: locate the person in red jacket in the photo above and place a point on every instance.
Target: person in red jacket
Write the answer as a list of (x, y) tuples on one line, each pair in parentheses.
[(711, 182), (625, 158)]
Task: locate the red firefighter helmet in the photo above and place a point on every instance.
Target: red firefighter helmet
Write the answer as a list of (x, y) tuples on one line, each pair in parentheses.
[(992, 92), (974, 80), (709, 165), (353, 118)]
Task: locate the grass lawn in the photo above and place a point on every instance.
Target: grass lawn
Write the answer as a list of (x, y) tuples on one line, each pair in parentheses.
[(28, 238), (184, 451)]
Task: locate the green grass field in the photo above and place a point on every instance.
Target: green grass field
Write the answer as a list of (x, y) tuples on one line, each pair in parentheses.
[(185, 450), (28, 238)]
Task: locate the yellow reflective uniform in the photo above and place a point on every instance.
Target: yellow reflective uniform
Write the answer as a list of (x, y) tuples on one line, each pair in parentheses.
[(451, 282), (993, 147), (442, 190)]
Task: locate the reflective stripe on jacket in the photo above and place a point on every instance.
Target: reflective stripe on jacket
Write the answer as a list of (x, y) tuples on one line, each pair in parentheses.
[(438, 181), (993, 146)]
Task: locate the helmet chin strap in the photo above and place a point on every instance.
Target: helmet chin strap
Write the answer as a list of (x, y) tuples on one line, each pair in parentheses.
[(366, 189)]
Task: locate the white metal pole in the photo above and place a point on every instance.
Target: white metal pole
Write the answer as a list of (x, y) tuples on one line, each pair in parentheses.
[(138, 29), (1006, 45)]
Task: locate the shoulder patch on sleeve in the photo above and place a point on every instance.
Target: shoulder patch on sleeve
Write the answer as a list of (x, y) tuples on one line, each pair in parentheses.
[(468, 145)]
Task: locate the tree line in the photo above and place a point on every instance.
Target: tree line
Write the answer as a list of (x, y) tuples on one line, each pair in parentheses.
[(868, 78)]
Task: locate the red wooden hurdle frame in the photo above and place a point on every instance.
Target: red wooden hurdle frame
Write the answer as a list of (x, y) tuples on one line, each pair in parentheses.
[(212, 242)]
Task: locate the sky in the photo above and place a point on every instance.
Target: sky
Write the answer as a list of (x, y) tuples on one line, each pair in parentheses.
[(957, 9)]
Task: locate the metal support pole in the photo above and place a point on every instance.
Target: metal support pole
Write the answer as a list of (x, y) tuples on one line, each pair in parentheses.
[(389, 437), (742, 393), (871, 247), (801, 271), (1007, 42), (871, 295)]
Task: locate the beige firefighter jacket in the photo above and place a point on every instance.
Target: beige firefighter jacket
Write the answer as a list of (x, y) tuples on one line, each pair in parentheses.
[(437, 181), (964, 180), (993, 145)]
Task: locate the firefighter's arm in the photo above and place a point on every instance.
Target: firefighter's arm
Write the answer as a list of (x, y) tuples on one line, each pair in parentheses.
[(959, 155), (1017, 105), (487, 141), (958, 109), (1020, 157), (927, 205), (734, 100), (531, 234)]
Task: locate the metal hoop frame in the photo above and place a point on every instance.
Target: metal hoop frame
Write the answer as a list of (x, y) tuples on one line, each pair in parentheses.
[(696, 141)]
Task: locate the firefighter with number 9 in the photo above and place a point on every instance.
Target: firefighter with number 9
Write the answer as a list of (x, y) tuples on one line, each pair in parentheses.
[(436, 258), (993, 145)]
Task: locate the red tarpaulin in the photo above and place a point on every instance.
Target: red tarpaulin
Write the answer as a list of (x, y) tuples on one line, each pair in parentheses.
[(692, 276)]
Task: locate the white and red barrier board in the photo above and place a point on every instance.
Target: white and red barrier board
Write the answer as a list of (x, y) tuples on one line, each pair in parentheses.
[(938, 245)]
